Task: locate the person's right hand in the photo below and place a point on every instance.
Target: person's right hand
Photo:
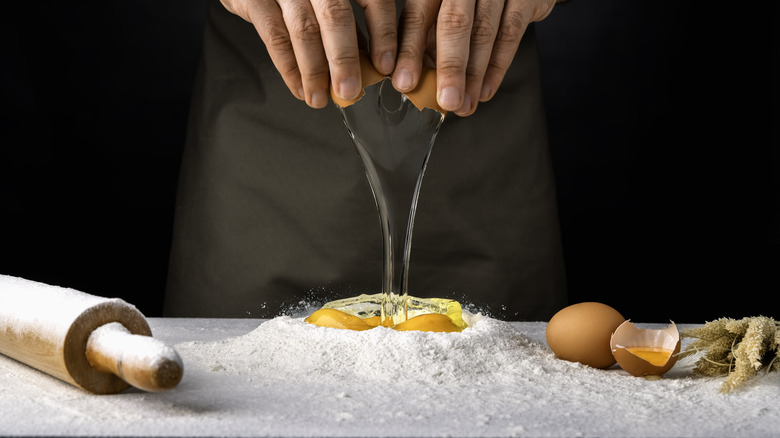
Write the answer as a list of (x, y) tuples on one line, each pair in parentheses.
[(471, 43), (314, 42)]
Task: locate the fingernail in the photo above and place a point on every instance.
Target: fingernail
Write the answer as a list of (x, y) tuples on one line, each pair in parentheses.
[(485, 93), (319, 99), (403, 80), (387, 62), (449, 99), (349, 88), (301, 95), (466, 107)]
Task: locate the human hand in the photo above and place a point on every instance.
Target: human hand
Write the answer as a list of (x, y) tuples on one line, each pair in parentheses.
[(472, 43), (314, 42)]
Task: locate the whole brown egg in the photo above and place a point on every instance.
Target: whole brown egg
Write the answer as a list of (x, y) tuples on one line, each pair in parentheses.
[(581, 333)]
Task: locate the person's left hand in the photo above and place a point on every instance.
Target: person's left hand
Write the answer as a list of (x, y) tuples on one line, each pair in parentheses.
[(472, 42)]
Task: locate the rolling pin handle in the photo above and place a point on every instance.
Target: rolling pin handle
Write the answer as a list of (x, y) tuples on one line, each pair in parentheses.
[(141, 361)]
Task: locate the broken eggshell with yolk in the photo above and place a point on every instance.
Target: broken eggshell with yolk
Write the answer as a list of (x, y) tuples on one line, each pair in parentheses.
[(646, 353)]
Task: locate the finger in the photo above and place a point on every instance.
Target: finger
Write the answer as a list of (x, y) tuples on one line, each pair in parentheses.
[(305, 38), (339, 39), (487, 18), (266, 16), (510, 32), (382, 32), (417, 18), (453, 36)]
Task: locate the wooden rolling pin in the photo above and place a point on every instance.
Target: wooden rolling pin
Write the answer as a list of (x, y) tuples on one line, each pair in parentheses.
[(102, 345)]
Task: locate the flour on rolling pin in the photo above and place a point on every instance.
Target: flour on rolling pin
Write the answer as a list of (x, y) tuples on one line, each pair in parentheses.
[(102, 345)]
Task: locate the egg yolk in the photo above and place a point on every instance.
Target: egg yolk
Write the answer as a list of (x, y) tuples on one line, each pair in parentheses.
[(337, 319), (431, 322), (656, 356), (376, 321)]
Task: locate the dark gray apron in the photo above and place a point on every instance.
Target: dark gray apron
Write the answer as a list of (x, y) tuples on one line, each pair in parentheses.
[(274, 207)]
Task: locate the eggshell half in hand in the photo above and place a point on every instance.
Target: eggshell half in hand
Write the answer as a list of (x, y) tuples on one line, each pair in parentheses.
[(424, 96), (645, 352)]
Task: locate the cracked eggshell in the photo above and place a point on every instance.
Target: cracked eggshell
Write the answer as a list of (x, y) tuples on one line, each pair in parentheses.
[(628, 336), (424, 96)]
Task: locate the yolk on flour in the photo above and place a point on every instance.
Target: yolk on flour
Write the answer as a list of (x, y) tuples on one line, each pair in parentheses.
[(431, 322)]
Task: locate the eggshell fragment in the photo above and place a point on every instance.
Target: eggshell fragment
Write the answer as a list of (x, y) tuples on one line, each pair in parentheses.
[(424, 96), (629, 341), (581, 333)]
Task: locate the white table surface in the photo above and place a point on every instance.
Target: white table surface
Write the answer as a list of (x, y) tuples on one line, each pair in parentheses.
[(207, 404)]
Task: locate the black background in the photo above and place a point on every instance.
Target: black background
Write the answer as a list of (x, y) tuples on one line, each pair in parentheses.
[(662, 119)]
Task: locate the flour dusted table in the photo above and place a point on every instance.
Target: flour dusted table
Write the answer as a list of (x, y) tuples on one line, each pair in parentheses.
[(207, 403)]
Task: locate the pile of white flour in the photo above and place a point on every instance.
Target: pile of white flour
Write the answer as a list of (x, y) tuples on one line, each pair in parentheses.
[(490, 379), (490, 352)]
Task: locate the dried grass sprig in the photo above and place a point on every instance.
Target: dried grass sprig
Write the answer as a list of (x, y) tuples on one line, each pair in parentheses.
[(735, 348)]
